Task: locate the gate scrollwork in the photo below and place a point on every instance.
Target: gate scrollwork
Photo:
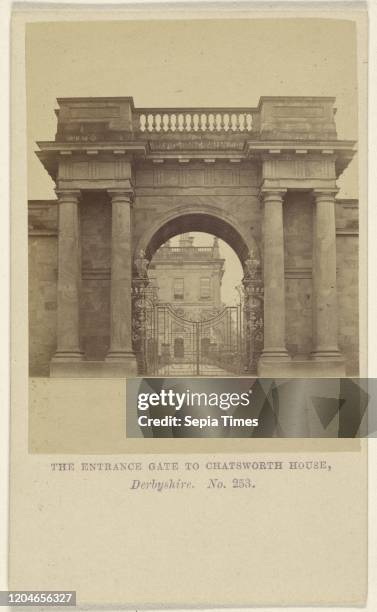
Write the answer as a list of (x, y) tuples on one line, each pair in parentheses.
[(140, 297), (139, 286), (253, 311)]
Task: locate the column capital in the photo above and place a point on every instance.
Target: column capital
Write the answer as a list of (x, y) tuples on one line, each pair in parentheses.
[(324, 195), (272, 195), (68, 195), (125, 196)]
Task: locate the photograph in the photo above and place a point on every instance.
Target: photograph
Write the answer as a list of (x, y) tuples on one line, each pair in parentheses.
[(191, 415), (204, 220)]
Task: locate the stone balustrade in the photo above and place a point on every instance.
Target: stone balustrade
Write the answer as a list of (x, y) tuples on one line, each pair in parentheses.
[(193, 120), (275, 118), (186, 253)]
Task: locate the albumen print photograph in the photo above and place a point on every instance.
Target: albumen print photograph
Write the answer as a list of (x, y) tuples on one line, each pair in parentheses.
[(189, 222), (190, 217)]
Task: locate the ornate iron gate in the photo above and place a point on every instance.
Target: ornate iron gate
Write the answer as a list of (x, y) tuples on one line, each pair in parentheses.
[(224, 342), (171, 345)]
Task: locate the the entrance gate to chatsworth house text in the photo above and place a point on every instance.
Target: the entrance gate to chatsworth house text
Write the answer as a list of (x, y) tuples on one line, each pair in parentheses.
[(262, 179)]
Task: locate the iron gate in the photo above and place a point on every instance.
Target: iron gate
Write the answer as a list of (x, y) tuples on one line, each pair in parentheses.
[(176, 346)]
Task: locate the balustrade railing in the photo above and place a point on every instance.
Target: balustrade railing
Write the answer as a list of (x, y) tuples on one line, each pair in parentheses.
[(193, 120), (183, 252)]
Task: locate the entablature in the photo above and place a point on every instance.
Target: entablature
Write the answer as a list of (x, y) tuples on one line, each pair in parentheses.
[(283, 128)]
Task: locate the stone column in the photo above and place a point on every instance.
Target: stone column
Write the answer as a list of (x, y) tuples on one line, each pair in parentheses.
[(274, 281), (121, 282), (325, 314), (69, 278)]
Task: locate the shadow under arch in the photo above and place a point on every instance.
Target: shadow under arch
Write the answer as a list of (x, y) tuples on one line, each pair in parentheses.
[(183, 221)]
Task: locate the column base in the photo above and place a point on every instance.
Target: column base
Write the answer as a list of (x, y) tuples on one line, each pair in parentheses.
[(67, 356), (275, 354), (273, 359), (327, 354), (64, 361)]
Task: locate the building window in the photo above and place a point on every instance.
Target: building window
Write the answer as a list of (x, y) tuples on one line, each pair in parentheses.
[(205, 288), (178, 289)]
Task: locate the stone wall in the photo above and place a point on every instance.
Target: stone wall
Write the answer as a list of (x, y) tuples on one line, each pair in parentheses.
[(298, 261), (348, 283), (42, 285), (95, 220), (223, 188), (298, 240), (300, 118)]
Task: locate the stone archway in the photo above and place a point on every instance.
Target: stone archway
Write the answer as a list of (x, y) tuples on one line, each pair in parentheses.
[(214, 222), (230, 171), (182, 220)]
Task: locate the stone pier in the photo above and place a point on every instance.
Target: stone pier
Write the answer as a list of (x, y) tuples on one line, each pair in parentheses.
[(274, 350), (325, 312), (69, 281), (121, 283)]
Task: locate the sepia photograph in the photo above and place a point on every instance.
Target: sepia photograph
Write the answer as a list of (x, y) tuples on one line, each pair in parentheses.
[(190, 399), (192, 217)]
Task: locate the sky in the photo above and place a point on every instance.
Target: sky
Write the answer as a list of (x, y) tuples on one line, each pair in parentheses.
[(189, 63)]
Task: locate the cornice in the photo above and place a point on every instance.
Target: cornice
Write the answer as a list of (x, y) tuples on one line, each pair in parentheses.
[(278, 147)]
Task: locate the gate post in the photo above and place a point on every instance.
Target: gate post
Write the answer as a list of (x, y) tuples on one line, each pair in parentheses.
[(140, 283), (139, 286), (253, 312), (197, 348)]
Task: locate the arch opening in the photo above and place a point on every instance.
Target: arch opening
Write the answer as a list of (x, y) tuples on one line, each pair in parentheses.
[(189, 254), (196, 222)]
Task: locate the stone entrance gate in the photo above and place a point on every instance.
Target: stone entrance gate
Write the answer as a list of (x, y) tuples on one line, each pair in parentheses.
[(263, 179)]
